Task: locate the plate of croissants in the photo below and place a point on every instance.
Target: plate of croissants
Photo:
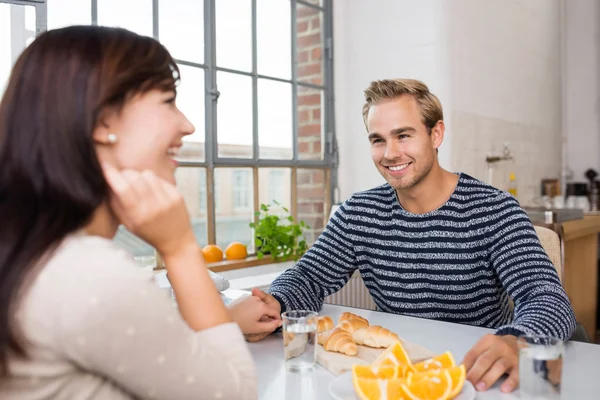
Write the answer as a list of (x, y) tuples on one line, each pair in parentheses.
[(374, 363)]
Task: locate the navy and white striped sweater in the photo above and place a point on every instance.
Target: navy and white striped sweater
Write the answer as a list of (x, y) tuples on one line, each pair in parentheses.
[(460, 263)]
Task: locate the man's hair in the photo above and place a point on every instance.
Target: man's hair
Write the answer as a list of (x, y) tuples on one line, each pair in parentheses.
[(390, 89)]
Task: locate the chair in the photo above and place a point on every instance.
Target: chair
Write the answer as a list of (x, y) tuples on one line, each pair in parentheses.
[(553, 245)]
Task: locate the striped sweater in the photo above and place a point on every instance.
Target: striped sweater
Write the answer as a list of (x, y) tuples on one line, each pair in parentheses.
[(462, 262)]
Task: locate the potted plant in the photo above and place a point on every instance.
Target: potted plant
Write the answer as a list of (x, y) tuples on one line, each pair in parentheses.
[(278, 235)]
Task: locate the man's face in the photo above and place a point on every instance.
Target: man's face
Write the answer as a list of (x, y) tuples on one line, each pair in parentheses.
[(402, 149)]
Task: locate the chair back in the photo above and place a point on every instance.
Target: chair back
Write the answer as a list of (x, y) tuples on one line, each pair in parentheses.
[(552, 244)]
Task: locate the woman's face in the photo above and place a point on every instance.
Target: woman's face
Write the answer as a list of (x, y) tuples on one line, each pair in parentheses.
[(149, 132)]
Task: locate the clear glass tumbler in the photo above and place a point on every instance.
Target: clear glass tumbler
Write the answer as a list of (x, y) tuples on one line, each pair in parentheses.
[(299, 339), (540, 366)]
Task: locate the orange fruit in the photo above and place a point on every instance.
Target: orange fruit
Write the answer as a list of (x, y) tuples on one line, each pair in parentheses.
[(376, 389), (394, 355), (371, 372), (435, 387), (212, 253), (236, 251), (442, 361), (457, 375)]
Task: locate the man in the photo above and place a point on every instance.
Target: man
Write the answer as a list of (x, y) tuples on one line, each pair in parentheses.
[(432, 244)]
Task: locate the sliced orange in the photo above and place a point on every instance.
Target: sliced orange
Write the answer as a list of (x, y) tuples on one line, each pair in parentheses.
[(377, 389), (371, 372), (436, 387), (394, 355), (457, 375), (442, 361)]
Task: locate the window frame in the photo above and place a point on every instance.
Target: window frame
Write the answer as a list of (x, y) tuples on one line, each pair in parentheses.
[(328, 163)]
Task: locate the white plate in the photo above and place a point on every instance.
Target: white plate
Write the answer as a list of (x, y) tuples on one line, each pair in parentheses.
[(341, 388)]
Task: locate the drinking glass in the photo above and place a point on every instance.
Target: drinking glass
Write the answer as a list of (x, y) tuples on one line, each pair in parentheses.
[(540, 366), (299, 339)]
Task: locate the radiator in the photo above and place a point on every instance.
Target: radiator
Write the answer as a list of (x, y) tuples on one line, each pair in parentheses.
[(353, 294)]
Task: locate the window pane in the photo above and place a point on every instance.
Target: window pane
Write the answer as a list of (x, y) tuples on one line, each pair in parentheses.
[(234, 115), (17, 31), (190, 100), (63, 13), (315, 2), (191, 183), (275, 120), (274, 36), (234, 34), (236, 206), (132, 244), (181, 28), (310, 123), (309, 44), (135, 15), (311, 201), (275, 185)]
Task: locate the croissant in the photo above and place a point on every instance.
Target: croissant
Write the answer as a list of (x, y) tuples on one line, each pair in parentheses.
[(351, 325), (375, 336), (324, 323), (341, 341), (348, 315), (323, 336)]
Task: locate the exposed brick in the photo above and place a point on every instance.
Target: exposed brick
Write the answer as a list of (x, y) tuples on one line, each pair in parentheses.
[(304, 177), (316, 54), (309, 40), (302, 12), (315, 23), (319, 207), (302, 27), (316, 114), (304, 116), (305, 208), (316, 147), (304, 147), (311, 193), (303, 57), (309, 130), (309, 99), (308, 70)]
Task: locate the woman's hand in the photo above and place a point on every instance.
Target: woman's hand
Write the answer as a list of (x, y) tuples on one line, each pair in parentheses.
[(151, 208)]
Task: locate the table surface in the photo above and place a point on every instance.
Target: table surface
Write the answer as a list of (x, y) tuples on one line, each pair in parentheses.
[(581, 370)]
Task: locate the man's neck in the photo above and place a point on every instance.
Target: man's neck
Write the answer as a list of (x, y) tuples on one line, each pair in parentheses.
[(430, 193)]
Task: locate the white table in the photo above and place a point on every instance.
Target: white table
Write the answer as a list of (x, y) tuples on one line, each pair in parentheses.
[(581, 371)]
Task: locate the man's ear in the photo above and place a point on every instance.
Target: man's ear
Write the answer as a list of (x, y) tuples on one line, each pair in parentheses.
[(437, 134)]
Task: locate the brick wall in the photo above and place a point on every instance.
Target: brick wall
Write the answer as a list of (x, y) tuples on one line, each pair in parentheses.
[(311, 182)]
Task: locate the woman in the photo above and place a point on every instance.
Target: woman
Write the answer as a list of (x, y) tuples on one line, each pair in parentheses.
[(88, 129)]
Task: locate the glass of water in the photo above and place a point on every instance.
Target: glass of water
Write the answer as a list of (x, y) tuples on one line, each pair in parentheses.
[(146, 262), (540, 366), (299, 337)]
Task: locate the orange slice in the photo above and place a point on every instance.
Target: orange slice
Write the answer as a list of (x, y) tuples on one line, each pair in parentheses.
[(378, 389), (371, 372), (394, 355), (457, 375), (436, 387), (442, 361)]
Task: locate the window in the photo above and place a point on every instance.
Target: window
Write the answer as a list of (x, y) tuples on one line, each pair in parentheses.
[(256, 83), (241, 189)]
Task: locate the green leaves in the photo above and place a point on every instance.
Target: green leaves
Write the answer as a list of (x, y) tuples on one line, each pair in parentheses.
[(278, 235)]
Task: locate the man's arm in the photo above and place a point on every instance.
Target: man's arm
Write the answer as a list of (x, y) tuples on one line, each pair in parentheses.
[(529, 277), (322, 271)]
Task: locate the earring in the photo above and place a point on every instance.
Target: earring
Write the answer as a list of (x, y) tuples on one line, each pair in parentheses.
[(112, 138)]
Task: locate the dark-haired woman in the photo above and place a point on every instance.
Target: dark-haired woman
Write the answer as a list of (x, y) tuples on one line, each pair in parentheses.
[(88, 130)]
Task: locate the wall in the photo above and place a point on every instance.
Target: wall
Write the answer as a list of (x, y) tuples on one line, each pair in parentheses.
[(582, 71), (494, 65)]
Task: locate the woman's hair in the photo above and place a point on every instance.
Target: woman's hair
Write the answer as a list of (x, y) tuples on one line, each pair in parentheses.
[(51, 181)]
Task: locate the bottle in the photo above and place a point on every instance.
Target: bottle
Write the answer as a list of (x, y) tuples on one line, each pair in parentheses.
[(512, 184)]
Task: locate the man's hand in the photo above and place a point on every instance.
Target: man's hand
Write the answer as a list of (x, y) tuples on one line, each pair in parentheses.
[(490, 358), (257, 315)]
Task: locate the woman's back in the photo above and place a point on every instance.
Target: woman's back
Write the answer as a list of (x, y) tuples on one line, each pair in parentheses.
[(96, 327)]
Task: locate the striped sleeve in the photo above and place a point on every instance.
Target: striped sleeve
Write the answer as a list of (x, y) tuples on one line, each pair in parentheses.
[(527, 274), (322, 271)]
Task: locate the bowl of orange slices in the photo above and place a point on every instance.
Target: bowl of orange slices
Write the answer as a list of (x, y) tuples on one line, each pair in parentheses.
[(392, 376)]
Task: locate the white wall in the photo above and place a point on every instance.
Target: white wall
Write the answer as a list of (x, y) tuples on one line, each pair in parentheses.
[(494, 65), (582, 62)]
